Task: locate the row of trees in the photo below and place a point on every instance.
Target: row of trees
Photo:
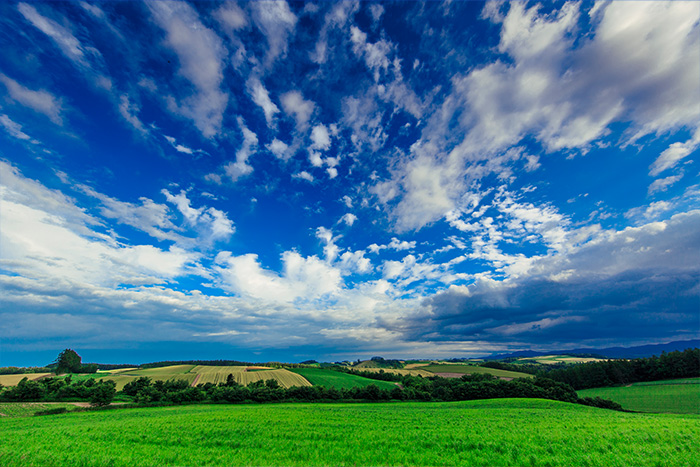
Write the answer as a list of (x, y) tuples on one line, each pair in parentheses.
[(685, 364), (410, 388), (98, 393)]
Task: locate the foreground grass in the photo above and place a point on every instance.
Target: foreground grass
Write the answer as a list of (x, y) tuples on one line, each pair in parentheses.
[(670, 396), (496, 432)]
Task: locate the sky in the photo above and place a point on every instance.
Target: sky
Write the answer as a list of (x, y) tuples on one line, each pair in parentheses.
[(339, 180)]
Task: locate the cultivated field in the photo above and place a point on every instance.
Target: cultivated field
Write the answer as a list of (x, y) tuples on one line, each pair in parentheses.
[(210, 374), (402, 371), (338, 380), (503, 432), (443, 369), (27, 409), (671, 396), (553, 359), (12, 380)]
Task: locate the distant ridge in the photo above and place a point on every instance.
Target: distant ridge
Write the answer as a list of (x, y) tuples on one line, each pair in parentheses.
[(640, 351)]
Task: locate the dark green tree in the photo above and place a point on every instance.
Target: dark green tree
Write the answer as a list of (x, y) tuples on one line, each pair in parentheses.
[(68, 361), (102, 393)]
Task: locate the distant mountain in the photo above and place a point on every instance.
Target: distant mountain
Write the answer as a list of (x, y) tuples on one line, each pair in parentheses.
[(640, 351)]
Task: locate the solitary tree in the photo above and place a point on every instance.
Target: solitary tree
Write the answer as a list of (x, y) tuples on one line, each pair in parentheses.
[(68, 361)]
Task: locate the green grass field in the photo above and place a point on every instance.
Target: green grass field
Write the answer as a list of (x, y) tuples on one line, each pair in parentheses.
[(503, 432), (472, 369), (27, 409), (338, 380), (671, 396)]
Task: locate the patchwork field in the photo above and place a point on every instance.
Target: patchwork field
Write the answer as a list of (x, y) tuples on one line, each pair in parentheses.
[(455, 369), (338, 380), (553, 359), (402, 371), (671, 396), (210, 374), (12, 380), (503, 432)]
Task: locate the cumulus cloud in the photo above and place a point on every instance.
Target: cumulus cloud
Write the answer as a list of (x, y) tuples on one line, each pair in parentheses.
[(211, 222), (302, 278), (564, 96), (295, 105)]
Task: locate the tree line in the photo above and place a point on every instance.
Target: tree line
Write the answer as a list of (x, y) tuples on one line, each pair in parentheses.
[(98, 393), (408, 388), (671, 365)]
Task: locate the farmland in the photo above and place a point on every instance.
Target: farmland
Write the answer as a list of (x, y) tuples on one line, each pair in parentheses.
[(200, 374), (554, 359), (401, 371), (494, 432), (671, 396), (12, 380), (457, 369), (338, 380)]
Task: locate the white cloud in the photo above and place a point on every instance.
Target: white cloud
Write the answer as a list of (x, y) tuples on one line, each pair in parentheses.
[(674, 154), (332, 172), (277, 22), (355, 262), (349, 219), (13, 128), (45, 235), (241, 168), (231, 17), (395, 244), (280, 149), (330, 249), (304, 175), (295, 105), (302, 279), (320, 138), (201, 55), (261, 97), (662, 184), (211, 223), (129, 111), (41, 101)]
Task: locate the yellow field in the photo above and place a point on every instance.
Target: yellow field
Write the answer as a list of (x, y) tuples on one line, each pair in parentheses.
[(404, 371), (12, 380), (196, 375), (218, 374), (554, 359), (412, 366)]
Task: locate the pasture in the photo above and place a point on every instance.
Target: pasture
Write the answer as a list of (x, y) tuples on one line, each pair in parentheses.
[(499, 432), (670, 396), (338, 380)]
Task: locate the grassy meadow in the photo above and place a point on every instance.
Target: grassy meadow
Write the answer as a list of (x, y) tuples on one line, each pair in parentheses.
[(338, 380), (500, 432), (670, 396)]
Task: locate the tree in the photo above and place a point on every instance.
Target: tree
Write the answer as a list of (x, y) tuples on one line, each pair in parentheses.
[(68, 361), (102, 393)]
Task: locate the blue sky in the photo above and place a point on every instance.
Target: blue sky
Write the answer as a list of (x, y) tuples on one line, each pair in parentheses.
[(337, 180)]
